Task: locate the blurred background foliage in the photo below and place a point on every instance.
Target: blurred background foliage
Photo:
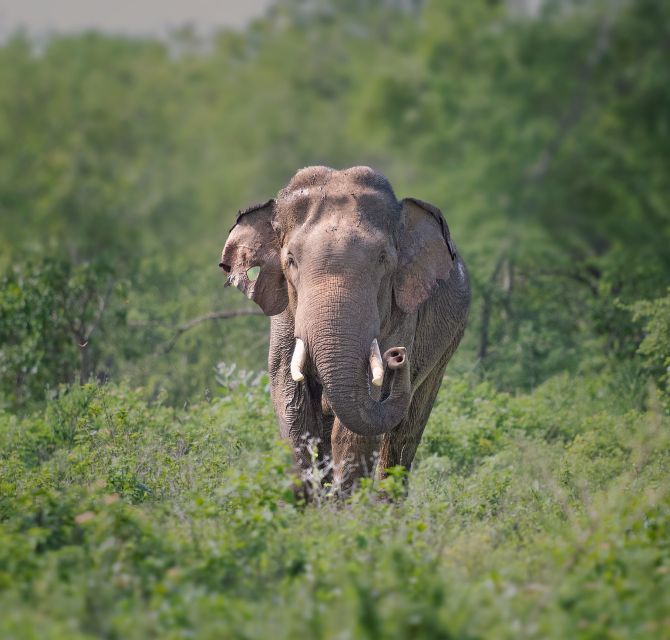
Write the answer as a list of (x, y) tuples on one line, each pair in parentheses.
[(542, 136)]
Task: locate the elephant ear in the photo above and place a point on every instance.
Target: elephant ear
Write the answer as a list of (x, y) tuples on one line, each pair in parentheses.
[(251, 259), (425, 254)]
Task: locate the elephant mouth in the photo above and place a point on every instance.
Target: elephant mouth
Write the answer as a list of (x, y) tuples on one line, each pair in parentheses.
[(361, 407), (394, 357)]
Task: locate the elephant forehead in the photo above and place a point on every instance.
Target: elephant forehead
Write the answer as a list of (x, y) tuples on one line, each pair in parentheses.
[(335, 235), (348, 203)]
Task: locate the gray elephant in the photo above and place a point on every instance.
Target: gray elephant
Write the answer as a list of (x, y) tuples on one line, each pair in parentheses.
[(347, 273)]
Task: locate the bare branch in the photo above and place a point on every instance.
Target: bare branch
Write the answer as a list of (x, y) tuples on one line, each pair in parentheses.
[(487, 303), (212, 315), (102, 304), (572, 275)]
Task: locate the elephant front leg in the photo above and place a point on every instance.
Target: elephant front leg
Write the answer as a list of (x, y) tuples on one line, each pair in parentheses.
[(297, 405), (307, 431)]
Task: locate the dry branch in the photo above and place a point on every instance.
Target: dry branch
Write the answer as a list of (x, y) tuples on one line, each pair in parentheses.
[(206, 317)]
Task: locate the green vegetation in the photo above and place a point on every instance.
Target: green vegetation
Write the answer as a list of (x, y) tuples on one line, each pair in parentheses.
[(525, 518), (143, 492)]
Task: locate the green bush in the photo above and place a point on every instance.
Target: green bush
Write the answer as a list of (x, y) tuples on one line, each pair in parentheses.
[(128, 519), (655, 346), (53, 318)]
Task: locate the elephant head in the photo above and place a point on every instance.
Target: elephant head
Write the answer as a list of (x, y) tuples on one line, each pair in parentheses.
[(344, 257)]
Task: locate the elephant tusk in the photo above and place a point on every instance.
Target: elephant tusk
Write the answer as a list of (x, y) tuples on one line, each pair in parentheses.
[(376, 364), (298, 360)]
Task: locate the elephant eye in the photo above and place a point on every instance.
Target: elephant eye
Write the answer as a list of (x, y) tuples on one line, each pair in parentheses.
[(382, 258), (290, 260)]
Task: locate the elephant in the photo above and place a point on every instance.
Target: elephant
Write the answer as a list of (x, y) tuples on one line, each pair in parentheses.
[(348, 273)]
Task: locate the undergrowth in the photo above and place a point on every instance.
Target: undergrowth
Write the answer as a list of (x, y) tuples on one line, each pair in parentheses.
[(527, 516)]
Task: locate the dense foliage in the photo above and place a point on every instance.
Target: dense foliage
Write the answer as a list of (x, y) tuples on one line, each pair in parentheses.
[(544, 139), (528, 516), (50, 313), (142, 492)]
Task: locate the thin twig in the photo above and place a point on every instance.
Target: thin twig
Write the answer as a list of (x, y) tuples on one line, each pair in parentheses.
[(487, 304), (102, 305), (206, 317)]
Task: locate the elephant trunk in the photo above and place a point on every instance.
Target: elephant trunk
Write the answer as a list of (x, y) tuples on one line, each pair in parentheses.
[(342, 350)]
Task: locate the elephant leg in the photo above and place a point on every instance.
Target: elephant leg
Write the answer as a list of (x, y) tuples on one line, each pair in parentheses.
[(326, 449), (354, 456), (399, 446), (308, 430), (302, 422)]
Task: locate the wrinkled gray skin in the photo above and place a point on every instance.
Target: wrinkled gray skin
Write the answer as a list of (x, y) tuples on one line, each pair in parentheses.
[(343, 262)]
